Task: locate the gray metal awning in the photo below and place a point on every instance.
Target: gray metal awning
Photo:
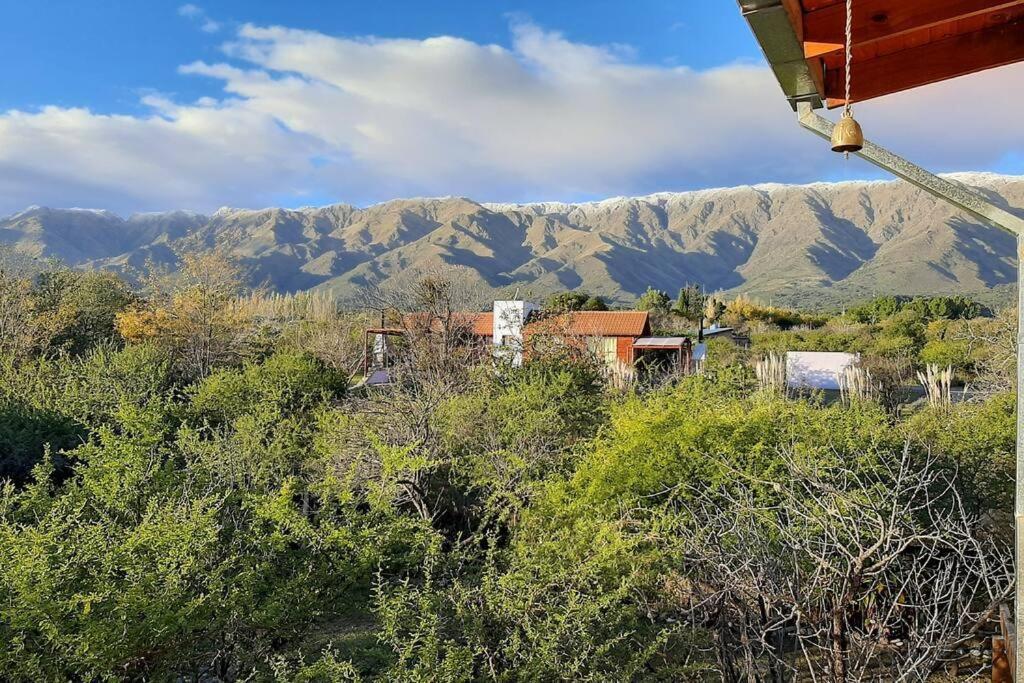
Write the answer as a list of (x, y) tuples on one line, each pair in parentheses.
[(659, 342)]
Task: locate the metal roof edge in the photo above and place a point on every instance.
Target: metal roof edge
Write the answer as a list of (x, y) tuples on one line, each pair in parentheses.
[(770, 22)]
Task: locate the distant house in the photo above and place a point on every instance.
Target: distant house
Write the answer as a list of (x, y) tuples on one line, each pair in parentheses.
[(610, 335), (618, 338)]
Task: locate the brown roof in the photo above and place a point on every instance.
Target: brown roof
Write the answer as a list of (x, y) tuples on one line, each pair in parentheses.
[(575, 323), (483, 324), (594, 324), (480, 324)]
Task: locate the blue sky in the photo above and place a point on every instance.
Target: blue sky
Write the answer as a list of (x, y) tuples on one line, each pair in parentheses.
[(104, 54), (138, 106)]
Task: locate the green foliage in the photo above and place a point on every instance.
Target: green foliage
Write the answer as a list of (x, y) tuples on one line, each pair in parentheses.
[(723, 353), (532, 619), (328, 668), (690, 303), (955, 353), (26, 432), (264, 522), (743, 310), (98, 385), (575, 301), (654, 300), (520, 427), (874, 310), (152, 560), (906, 335), (56, 402), (826, 339), (977, 440), (930, 308), (87, 305), (284, 383), (684, 435)]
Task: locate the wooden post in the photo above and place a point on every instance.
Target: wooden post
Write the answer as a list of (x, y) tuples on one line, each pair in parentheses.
[(1000, 661), (1018, 505), (366, 358)]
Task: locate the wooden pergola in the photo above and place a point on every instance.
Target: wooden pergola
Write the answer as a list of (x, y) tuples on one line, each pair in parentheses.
[(899, 45)]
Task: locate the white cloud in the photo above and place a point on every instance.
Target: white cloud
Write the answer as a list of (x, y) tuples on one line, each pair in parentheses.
[(199, 15), (306, 114)]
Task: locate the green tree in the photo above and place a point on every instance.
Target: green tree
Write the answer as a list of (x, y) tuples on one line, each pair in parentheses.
[(653, 300), (84, 306), (690, 303), (575, 301)]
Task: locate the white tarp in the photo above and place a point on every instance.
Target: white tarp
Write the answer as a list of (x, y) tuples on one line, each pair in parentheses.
[(817, 369), (380, 349)]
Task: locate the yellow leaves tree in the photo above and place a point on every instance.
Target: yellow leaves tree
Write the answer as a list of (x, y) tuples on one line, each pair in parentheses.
[(141, 324), (191, 312)]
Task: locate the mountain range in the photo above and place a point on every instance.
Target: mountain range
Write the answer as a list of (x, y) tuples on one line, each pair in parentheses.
[(824, 243)]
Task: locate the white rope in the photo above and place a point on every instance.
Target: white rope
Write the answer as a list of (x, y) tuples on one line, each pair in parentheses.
[(849, 52), (847, 109)]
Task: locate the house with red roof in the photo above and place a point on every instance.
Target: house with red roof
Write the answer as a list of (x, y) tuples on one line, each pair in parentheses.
[(621, 339)]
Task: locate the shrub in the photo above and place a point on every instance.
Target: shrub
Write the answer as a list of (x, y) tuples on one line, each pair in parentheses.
[(285, 382)]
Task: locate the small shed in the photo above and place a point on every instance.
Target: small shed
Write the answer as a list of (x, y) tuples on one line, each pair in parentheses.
[(679, 350)]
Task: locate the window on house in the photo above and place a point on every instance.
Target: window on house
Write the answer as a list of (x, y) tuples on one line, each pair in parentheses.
[(604, 348)]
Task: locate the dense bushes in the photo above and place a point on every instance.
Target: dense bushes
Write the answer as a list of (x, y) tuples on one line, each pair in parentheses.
[(181, 507), (743, 310), (897, 337), (946, 307), (174, 549)]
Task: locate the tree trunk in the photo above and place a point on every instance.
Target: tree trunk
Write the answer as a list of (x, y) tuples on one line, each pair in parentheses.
[(839, 644), (748, 654)]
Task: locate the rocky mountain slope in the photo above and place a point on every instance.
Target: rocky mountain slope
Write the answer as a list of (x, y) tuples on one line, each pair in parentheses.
[(822, 243)]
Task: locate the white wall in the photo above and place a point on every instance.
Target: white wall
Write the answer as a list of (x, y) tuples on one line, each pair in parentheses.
[(509, 320), (817, 369)]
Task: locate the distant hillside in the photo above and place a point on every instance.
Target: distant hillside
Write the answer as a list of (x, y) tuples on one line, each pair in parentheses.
[(823, 244)]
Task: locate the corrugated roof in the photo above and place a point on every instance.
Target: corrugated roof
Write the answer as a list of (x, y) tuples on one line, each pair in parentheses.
[(660, 342), (594, 324)]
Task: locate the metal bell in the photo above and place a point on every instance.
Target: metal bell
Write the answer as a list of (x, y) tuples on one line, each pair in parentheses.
[(847, 136)]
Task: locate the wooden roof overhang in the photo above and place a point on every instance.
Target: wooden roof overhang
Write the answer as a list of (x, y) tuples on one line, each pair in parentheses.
[(897, 44)]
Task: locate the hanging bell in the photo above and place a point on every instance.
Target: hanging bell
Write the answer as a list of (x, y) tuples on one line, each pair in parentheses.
[(847, 136)]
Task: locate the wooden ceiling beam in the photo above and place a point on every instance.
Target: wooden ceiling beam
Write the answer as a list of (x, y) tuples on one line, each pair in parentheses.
[(929, 63), (823, 30)]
